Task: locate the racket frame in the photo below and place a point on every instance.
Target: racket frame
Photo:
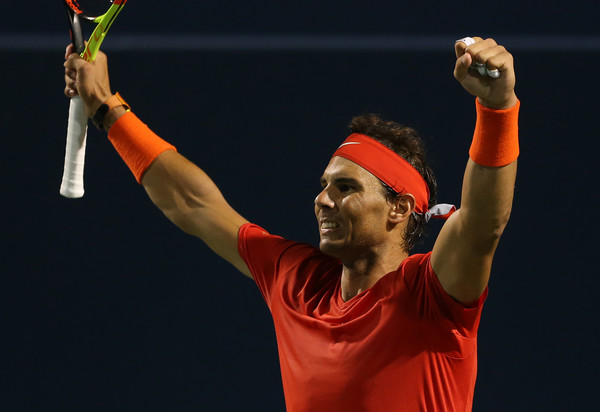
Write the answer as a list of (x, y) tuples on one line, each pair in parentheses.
[(103, 23)]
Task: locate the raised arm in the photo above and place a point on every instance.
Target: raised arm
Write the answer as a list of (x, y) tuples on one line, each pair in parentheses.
[(181, 190), (463, 252), (190, 199)]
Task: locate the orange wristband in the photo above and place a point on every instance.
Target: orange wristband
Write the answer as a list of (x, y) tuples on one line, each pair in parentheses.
[(137, 145), (496, 137)]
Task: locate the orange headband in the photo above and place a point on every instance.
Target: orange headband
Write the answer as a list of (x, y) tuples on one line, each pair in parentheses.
[(391, 169)]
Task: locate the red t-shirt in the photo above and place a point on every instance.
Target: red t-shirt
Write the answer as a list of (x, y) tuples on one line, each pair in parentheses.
[(402, 345)]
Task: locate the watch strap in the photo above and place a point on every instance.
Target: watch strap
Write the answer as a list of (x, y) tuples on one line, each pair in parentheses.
[(112, 102)]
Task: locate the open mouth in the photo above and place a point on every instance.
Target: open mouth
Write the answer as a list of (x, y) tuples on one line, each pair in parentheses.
[(329, 225)]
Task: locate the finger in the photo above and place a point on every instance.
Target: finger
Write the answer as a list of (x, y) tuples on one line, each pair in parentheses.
[(501, 61), (461, 69), (68, 51), (489, 60), (484, 55), (71, 74), (482, 49), (69, 82), (461, 45), (69, 92), (70, 86), (74, 62)]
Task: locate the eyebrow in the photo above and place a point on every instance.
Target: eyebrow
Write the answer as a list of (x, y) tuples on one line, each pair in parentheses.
[(342, 180)]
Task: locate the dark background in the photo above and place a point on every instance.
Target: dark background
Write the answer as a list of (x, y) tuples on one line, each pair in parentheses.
[(106, 306)]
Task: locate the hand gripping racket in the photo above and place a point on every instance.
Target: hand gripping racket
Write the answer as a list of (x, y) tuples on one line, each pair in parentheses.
[(103, 13)]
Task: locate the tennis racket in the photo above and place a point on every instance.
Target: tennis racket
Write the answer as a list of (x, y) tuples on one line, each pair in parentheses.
[(103, 13)]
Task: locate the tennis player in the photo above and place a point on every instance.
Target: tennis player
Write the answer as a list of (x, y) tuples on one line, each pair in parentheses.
[(361, 323)]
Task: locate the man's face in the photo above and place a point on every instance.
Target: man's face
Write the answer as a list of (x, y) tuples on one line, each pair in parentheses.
[(351, 211)]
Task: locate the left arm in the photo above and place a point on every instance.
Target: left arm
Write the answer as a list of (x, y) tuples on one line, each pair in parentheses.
[(463, 252)]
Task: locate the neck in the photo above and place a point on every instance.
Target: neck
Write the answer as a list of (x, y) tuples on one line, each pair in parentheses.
[(361, 274)]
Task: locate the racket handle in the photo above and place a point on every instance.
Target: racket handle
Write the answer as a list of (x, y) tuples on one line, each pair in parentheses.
[(72, 180)]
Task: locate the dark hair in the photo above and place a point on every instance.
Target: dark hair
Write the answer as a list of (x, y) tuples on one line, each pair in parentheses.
[(407, 143)]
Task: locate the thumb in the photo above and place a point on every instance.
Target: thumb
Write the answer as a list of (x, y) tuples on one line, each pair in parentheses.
[(462, 66)]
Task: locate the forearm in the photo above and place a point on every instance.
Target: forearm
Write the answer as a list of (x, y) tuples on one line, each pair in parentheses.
[(191, 200), (490, 174), (182, 191), (487, 197)]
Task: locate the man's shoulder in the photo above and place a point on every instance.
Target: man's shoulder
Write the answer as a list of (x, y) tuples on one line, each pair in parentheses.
[(257, 240), (416, 261)]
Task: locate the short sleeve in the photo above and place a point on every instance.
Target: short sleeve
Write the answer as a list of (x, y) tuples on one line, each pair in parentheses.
[(435, 303), (261, 251)]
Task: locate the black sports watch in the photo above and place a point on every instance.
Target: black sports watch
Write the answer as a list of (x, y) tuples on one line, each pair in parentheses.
[(113, 101)]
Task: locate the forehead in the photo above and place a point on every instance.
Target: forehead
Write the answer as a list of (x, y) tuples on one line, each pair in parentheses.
[(340, 167)]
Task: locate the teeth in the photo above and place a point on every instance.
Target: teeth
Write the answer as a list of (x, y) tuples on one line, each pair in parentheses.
[(329, 225)]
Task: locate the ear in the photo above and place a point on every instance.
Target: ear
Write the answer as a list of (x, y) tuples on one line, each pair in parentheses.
[(402, 208)]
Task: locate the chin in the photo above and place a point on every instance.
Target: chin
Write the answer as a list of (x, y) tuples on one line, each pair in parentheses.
[(330, 248)]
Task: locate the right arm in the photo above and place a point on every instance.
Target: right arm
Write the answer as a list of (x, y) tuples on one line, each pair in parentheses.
[(181, 190), (191, 200)]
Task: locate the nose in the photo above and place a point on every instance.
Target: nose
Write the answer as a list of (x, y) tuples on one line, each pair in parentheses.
[(323, 200)]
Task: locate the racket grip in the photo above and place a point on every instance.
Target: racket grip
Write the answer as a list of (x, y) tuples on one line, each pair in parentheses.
[(72, 180)]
